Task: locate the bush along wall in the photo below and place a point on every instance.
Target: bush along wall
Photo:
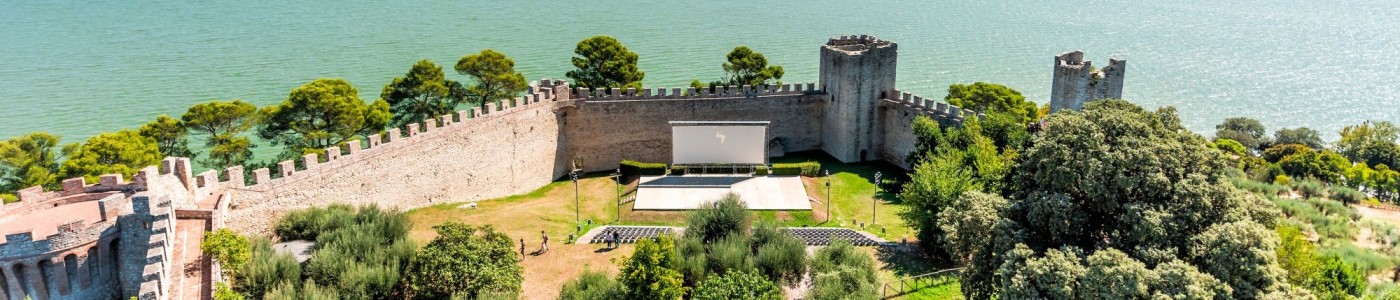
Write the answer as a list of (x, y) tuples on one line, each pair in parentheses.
[(632, 168), (810, 168)]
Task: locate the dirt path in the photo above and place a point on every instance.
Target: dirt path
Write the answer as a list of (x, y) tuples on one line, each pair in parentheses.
[(1379, 214), (546, 273)]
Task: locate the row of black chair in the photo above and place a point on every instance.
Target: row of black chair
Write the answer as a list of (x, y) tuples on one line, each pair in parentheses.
[(811, 236), (629, 234)]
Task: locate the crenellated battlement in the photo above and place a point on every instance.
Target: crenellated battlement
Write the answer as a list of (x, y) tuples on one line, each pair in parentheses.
[(853, 43), (717, 92), (939, 111), (1076, 81)]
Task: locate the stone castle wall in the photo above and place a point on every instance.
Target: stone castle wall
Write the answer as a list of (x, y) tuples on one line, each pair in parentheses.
[(1076, 81)]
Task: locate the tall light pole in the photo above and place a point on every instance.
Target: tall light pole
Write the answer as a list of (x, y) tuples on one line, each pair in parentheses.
[(573, 175), (617, 186), (828, 194), (875, 199)]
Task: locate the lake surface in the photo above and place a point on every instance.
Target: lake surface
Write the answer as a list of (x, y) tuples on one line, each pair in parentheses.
[(77, 68)]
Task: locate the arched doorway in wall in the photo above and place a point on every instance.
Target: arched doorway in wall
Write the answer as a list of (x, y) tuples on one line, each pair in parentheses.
[(92, 275), (50, 276), (111, 270), (21, 275), (862, 155)]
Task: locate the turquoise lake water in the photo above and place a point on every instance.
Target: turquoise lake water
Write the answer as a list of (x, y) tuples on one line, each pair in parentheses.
[(77, 68)]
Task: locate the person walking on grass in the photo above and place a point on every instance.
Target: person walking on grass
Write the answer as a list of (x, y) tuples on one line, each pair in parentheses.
[(522, 249), (544, 242), (617, 240)]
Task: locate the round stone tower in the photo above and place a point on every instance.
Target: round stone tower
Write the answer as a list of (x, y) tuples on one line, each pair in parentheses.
[(62, 248)]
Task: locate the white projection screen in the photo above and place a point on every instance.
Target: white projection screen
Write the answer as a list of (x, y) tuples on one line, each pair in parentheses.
[(719, 143)]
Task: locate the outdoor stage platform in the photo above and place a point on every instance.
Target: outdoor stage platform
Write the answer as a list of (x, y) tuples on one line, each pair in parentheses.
[(691, 191)]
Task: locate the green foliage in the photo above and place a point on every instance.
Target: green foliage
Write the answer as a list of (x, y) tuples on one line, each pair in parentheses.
[(602, 62), (1258, 187), (1249, 132), (991, 97), (737, 285), (223, 292), (494, 74), (8, 198), (227, 247), (421, 94), (589, 286), (123, 152), (1277, 152), (1179, 280), (958, 160), (221, 123), (649, 273), (729, 254), (1006, 130), (1230, 146), (1296, 255), (840, 271), (1051, 276), (966, 224), (720, 219), (1372, 143), (1301, 135), (309, 291), (1337, 280), (466, 261), (779, 256), (365, 258), (29, 160), (807, 168), (1309, 188), (746, 67), (307, 224), (321, 114), (1322, 165), (635, 168), (170, 136), (266, 270), (1243, 255), (1111, 274)]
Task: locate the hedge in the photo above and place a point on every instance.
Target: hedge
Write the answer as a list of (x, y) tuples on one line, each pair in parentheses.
[(678, 170), (634, 168), (810, 168)]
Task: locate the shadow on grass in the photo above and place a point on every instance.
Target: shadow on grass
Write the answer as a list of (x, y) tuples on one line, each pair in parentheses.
[(910, 260), (893, 176)]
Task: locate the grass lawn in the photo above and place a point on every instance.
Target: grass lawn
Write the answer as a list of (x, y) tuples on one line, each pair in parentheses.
[(551, 209)]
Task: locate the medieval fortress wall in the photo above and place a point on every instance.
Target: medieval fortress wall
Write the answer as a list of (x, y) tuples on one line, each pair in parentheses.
[(123, 245)]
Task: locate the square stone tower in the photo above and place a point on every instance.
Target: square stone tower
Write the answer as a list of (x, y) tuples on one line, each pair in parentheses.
[(857, 72), (1076, 81)]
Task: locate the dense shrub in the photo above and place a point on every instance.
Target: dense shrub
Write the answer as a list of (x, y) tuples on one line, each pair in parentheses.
[(1346, 194), (737, 285), (223, 292), (1309, 188), (1278, 152), (678, 170), (779, 255), (266, 270), (810, 168), (1230, 146), (466, 261), (635, 168), (226, 247), (8, 198), (1258, 187), (308, 223), (730, 254), (1337, 280), (760, 170), (590, 285), (842, 272), (649, 273), (309, 290), (719, 219)]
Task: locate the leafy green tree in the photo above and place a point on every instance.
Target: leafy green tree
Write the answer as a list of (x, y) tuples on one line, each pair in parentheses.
[(494, 74), (321, 114), (466, 261), (1249, 132), (1277, 152), (649, 273), (421, 94), (170, 135), (1111, 274), (1301, 135), (228, 248), (589, 286), (746, 66), (266, 270), (1296, 255), (29, 160), (726, 217), (778, 255), (1372, 143), (1338, 280), (988, 97), (603, 62), (737, 285), (1323, 165), (1230, 146), (223, 292), (1180, 280), (966, 224), (962, 160), (1116, 176), (1006, 129), (123, 152), (221, 123)]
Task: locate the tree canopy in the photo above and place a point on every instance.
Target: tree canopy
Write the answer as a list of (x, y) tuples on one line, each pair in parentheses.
[(745, 66), (649, 272), (123, 152), (171, 136), (602, 62), (737, 285), (466, 261), (1301, 135), (320, 114), (1106, 202), (421, 94), (494, 74), (988, 97), (1371, 142), (1249, 132), (29, 160), (221, 122)]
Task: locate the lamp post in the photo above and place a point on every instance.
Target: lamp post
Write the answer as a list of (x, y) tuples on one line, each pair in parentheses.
[(573, 175), (875, 199), (617, 187), (827, 174)]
